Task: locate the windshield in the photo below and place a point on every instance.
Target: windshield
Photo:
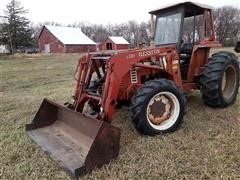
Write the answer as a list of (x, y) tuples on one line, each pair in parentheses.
[(167, 29)]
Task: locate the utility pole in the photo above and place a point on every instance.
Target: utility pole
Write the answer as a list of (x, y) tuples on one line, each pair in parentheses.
[(5, 21)]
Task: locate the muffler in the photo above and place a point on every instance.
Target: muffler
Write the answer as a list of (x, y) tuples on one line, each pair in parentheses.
[(77, 142)]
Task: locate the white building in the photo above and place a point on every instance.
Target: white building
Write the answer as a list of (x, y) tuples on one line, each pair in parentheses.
[(3, 49)]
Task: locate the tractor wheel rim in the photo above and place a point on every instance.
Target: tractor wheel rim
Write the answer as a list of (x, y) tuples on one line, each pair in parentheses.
[(229, 82), (224, 80), (163, 110)]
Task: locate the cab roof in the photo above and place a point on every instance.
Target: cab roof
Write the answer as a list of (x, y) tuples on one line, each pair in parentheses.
[(189, 7)]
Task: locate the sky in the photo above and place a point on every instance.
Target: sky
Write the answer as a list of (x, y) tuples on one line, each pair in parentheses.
[(98, 11)]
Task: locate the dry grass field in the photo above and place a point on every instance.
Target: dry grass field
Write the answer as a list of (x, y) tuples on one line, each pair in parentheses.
[(207, 146)]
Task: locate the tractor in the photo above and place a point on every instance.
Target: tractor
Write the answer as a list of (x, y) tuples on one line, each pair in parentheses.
[(153, 80)]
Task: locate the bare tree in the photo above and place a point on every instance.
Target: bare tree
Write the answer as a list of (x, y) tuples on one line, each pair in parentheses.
[(144, 33), (133, 32), (227, 24)]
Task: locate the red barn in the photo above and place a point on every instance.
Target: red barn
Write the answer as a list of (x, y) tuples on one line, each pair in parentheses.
[(114, 43), (57, 39)]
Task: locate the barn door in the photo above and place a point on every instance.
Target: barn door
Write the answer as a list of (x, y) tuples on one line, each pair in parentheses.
[(47, 48)]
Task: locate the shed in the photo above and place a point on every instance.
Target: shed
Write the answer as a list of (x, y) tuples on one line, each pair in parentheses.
[(114, 43), (58, 39), (3, 49)]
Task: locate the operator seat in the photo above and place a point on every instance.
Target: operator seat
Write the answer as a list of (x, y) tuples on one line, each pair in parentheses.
[(186, 52), (185, 57)]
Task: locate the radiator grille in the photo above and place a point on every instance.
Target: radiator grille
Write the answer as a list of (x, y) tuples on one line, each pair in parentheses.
[(133, 74)]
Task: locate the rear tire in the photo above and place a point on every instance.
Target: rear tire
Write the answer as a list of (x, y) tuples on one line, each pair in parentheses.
[(220, 80), (158, 107)]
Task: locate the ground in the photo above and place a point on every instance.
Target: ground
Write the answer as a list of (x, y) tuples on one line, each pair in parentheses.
[(206, 146)]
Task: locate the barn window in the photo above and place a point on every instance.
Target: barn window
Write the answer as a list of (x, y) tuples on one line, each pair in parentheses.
[(109, 46)]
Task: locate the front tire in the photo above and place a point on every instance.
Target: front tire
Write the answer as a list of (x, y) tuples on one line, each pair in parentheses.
[(158, 107), (220, 80)]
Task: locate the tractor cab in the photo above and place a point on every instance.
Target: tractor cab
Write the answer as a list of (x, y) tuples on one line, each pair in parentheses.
[(186, 25)]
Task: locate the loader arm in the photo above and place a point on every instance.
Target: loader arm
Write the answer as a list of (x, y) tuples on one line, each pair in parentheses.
[(118, 65), (80, 77)]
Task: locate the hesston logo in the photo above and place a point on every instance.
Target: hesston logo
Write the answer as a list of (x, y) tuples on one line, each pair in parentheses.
[(149, 53)]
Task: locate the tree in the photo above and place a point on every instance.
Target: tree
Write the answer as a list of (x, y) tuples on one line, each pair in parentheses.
[(144, 33), (16, 33), (227, 24), (132, 31)]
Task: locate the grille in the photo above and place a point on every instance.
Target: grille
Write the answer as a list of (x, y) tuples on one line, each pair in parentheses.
[(133, 74)]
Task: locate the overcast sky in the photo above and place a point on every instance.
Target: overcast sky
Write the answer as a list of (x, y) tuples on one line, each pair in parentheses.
[(98, 11)]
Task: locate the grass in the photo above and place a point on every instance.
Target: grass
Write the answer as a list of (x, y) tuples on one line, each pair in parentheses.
[(207, 146)]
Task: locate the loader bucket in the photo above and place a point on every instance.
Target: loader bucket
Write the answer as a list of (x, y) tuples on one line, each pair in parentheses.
[(77, 142)]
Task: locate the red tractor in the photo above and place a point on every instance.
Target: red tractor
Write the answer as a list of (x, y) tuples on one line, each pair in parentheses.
[(154, 81)]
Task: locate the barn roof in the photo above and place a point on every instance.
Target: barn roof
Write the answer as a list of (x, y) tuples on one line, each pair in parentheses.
[(118, 40), (70, 35)]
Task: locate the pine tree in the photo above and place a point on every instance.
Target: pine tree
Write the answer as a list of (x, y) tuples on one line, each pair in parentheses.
[(17, 33)]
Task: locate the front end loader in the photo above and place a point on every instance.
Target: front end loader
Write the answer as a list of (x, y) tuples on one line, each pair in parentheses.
[(77, 142), (154, 81)]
